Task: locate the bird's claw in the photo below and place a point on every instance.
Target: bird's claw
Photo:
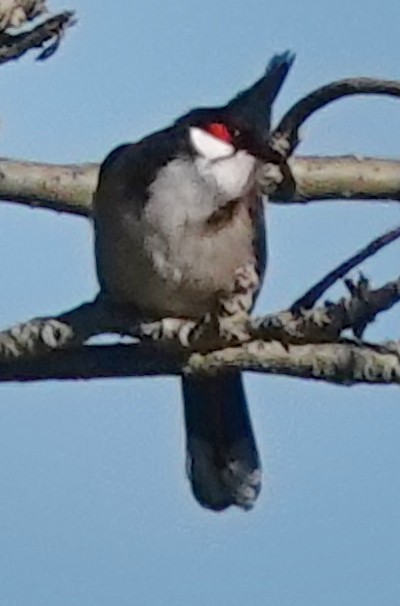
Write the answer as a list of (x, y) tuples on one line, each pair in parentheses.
[(168, 329)]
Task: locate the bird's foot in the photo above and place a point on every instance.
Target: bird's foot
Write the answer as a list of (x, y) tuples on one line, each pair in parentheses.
[(168, 330), (234, 329), (215, 331), (269, 178)]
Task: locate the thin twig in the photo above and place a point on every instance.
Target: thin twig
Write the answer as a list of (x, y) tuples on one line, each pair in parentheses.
[(325, 324), (308, 300)]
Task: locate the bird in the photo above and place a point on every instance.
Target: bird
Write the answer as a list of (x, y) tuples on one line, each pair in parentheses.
[(180, 232)]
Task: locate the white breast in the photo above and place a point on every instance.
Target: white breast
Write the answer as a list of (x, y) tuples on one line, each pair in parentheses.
[(164, 261)]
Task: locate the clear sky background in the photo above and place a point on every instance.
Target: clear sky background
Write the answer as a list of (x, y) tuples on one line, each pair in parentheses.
[(95, 508)]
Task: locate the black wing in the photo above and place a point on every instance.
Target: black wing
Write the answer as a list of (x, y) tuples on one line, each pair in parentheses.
[(129, 170)]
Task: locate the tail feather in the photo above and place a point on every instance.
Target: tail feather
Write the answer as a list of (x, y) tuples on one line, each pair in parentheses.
[(222, 460)]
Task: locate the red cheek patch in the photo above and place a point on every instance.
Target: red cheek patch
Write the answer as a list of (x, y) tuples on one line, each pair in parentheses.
[(220, 131)]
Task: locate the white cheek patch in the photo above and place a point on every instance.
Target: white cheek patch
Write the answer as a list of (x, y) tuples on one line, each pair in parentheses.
[(208, 146)]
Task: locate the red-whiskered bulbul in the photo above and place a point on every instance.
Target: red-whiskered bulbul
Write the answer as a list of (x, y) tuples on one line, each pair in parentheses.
[(180, 232)]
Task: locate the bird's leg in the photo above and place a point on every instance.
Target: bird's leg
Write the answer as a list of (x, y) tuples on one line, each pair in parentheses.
[(229, 323), (233, 309)]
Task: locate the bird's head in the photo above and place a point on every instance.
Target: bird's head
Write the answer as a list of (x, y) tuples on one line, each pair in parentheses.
[(244, 122)]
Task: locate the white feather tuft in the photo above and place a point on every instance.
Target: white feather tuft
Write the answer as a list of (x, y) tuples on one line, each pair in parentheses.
[(208, 146)]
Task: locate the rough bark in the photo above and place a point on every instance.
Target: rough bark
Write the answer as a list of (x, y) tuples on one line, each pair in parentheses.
[(346, 363)]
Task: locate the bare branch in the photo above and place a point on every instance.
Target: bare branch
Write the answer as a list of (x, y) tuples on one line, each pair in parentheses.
[(328, 322), (341, 178), (13, 46), (344, 363), (306, 345), (63, 188), (41, 336), (288, 128), (308, 300), (69, 188)]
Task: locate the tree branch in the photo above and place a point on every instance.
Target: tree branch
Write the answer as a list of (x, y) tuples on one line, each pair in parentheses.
[(69, 188), (13, 46), (63, 188), (341, 177), (287, 130), (345, 363), (307, 345), (328, 322), (309, 299)]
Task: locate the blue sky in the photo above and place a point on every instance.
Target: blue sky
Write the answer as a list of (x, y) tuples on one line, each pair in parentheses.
[(94, 504)]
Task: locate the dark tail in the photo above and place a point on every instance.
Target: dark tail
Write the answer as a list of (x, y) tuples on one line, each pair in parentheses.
[(222, 459)]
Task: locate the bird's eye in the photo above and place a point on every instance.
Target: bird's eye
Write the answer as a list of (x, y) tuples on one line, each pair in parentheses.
[(219, 130)]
